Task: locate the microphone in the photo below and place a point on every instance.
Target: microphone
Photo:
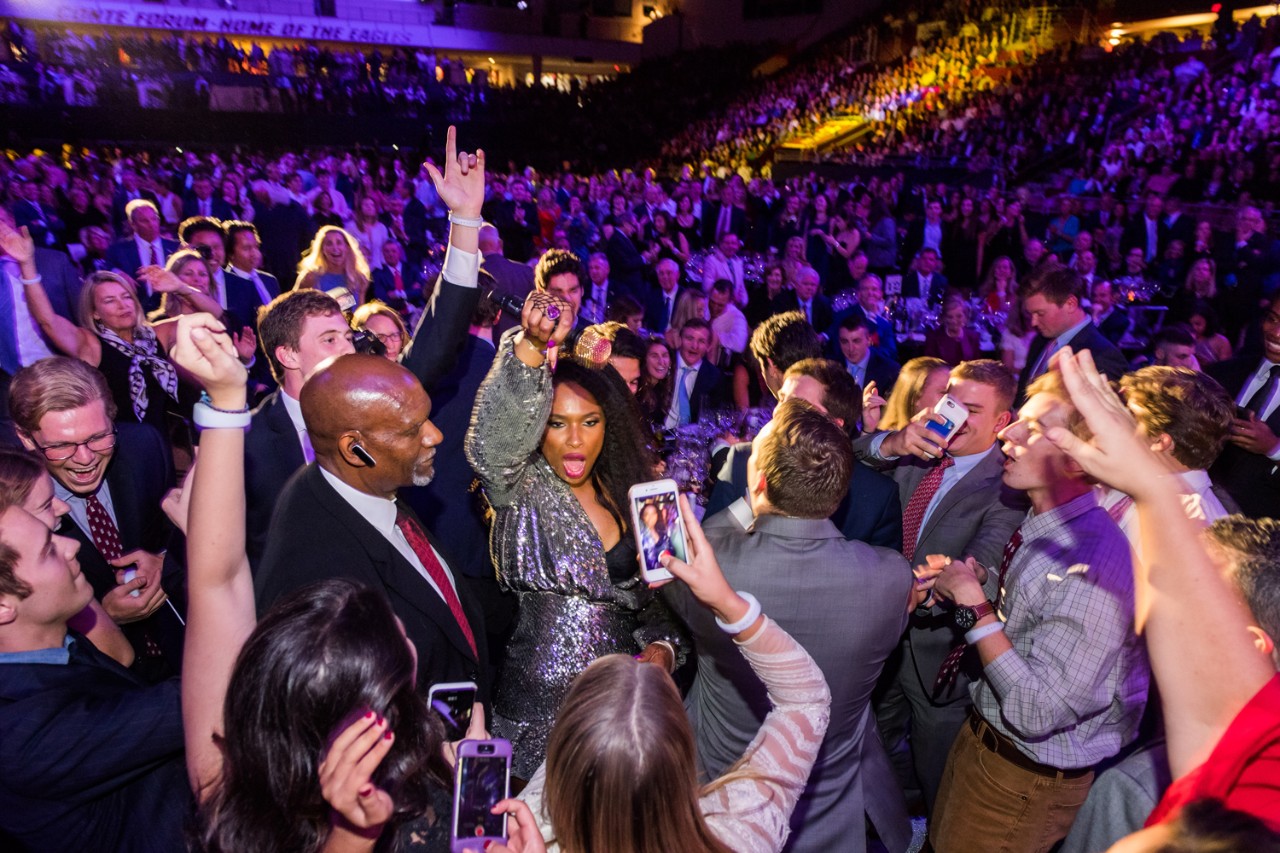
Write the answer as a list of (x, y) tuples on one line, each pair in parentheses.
[(515, 305)]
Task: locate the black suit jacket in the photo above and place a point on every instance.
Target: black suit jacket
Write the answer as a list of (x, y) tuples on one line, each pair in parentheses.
[(871, 512), (1251, 479), (92, 757), (509, 279), (1135, 234), (123, 255), (1109, 360), (272, 452), (316, 535), (711, 220), (1114, 325), (937, 287), (656, 318), (708, 389), (881, 370), (626, 265), (139, 475), (449, 501), (243, 300), (823, 315), (220, 209)]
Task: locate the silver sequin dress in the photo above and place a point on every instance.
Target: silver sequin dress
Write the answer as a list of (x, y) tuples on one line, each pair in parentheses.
[(546, 549)]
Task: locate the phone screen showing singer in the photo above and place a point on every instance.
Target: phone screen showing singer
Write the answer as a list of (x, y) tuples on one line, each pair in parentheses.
[(660, 528), (482, 782)]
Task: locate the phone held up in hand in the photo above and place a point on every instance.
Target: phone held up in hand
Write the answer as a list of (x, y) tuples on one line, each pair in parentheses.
[(659, 526), (482, 780), (453, 702), (953, 413)]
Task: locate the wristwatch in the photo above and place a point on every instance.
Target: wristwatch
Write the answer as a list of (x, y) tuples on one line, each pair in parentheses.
[(966, 617)]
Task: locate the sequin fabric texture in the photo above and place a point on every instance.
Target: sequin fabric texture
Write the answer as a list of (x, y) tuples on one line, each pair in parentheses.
[(547, 551)]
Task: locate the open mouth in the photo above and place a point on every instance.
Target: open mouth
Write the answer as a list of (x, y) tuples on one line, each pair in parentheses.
[(575, 465), (83, 476)]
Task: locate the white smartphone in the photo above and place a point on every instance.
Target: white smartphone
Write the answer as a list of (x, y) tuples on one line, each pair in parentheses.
[(658, 524), (453, 703), (953, 413), (482, 780)]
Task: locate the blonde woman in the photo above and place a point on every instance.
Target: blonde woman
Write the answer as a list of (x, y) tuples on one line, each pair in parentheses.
[(920, 385), (334, 260)]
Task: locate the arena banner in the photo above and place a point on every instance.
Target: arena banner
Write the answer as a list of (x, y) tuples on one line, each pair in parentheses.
[(253, 25)]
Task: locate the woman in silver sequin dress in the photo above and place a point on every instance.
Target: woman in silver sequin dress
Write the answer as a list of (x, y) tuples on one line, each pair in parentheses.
[(557, 456)]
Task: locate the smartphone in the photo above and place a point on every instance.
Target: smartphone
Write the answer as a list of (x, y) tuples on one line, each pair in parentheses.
[(483, 777), (659, 526), (953, 413), (453, 703)]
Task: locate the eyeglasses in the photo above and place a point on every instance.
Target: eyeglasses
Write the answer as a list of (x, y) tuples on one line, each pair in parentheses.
[(100, 443), (388, 337)]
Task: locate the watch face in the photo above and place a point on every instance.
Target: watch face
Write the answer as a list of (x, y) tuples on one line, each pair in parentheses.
[(965, 618)]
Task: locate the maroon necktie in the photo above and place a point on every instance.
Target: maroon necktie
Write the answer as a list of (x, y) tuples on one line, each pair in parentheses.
[(427, 556), (103, 531), (951, 664), (1119, 508), (155, 256), (913, 515), (106, 538)]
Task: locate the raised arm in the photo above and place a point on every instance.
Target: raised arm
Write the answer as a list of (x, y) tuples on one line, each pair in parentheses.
[(514, 401), (443, 327), (162, 280), (750, 807), (220, 608), (1202, 654), (65, 335)]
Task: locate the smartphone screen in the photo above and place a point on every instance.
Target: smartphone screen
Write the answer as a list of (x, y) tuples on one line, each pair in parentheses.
[(658, 528), (453, 704), (482, 783)]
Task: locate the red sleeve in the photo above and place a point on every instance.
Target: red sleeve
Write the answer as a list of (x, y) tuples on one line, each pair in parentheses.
[(1244, 768)]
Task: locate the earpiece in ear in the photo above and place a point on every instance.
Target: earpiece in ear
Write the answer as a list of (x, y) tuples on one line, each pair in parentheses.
[(363, 455)]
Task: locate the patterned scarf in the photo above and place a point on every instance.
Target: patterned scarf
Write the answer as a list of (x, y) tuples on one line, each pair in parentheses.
[(143, 352)]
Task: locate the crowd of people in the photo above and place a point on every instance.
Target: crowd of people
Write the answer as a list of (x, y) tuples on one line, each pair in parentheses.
[(978, 485)]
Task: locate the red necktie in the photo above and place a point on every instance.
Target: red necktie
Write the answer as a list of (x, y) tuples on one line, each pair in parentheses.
[(103, 531), (399, 281), (913, 515), (155, 256), (951, 664), (427, 556)]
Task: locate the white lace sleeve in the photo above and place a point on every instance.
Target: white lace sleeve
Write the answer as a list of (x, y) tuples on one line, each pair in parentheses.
[(751, 812)]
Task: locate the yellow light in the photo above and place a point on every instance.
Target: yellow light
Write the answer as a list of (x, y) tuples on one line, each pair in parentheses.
[(1113, 41)]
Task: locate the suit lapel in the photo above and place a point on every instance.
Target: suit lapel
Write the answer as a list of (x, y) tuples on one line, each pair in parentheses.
[(393, 569), (976, 480)]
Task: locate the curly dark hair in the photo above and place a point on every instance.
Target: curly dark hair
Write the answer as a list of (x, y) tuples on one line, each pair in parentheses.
[(627, 457), (316, 661)]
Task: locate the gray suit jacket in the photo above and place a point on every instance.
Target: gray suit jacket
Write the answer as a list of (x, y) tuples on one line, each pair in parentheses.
[(975, 518), (844, 601)]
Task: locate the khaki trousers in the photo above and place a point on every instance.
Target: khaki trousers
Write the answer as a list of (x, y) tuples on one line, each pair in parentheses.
[(987, 804)]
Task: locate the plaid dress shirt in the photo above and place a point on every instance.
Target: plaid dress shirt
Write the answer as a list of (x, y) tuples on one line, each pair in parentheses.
[(1072, 690)]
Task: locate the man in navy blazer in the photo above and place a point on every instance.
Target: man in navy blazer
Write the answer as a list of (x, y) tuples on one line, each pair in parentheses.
[(92, 757), (871, 512), (396, 276), (202, 202), (249, 287), (1055, 302), (145, 247), (861, 360)]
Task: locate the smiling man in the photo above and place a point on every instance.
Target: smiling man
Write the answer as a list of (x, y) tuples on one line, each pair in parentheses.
[(698, 381), (92, 757), (1064, 676), (113, 477), (954, 506)]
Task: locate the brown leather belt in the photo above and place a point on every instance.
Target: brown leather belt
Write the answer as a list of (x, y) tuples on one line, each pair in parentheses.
[(1005, 748)]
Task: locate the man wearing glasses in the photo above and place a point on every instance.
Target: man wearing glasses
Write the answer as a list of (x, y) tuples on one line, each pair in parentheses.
[(113, 477)]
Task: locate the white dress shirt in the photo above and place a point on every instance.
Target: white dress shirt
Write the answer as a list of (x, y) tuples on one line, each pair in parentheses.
[(1260, 378), (1198, 502), (263, 293), (690, 379), (381, 513), (294, 408), (144, 253), (31, 345)]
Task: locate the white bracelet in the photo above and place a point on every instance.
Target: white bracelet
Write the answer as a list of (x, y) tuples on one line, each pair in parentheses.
[(207, 417), (32, 281), (972, 637), (753, 613), (462, 220)]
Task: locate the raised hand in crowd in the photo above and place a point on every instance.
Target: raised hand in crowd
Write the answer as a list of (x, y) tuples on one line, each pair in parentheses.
[(872, 407), (916, 438)]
